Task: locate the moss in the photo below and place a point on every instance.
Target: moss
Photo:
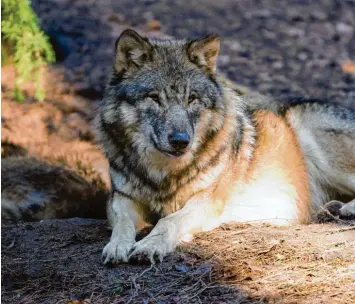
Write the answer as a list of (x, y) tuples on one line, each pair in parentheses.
[(26, 44)]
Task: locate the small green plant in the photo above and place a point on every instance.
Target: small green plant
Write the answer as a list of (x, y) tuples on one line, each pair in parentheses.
[(31, 48)]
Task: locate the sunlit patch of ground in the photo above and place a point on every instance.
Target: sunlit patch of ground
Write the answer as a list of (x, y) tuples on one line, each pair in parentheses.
[(57, 129), (299, 264)]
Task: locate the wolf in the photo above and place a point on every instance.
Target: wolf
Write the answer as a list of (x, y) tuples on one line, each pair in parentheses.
[(187, 153)]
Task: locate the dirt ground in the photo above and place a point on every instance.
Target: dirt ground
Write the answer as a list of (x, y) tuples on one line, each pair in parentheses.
[(282, 48), (59, 260), (56, 261)]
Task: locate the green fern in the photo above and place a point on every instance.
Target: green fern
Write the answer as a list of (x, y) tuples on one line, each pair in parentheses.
[(32, 50)]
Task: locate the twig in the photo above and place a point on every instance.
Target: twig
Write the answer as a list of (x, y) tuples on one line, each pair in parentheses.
[(342, 229)]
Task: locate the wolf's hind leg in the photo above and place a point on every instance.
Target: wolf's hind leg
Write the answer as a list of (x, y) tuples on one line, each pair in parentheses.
[(348, 210), (124, 220), (343, 210)]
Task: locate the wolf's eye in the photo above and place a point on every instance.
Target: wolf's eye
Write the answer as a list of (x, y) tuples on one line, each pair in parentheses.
[(154, 96), (192, 97)]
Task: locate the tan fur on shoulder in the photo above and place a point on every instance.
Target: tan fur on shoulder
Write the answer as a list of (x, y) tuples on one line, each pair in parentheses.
[(277, 152)]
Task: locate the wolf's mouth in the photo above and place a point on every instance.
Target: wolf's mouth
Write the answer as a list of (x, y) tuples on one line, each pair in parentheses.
[(173, 154)]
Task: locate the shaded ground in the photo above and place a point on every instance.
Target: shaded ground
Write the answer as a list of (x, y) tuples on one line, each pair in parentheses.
[(277, 47), (59, 260)]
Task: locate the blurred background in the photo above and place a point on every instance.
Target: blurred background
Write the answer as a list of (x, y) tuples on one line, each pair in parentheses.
[(298, 48)]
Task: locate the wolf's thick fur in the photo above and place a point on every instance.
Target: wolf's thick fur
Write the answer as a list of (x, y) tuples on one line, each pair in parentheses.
[(243, 159), (33, 190)]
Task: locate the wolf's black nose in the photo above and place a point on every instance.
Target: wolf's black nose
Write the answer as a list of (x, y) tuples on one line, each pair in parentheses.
[(179, 141)]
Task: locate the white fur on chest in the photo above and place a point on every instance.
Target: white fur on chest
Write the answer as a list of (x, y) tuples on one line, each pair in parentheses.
[(265, 200)]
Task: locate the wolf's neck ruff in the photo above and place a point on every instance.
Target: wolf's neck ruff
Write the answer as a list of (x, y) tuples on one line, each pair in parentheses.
[(165, 188)]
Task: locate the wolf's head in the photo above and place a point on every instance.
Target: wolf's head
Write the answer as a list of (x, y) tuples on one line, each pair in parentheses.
[(163, 100)]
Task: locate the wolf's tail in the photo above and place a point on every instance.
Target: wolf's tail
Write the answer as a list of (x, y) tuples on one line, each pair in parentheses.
[(33, 190)]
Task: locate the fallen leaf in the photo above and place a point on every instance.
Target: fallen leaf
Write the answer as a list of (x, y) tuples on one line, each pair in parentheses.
[(348, 67), (182, 268), (153, 25)]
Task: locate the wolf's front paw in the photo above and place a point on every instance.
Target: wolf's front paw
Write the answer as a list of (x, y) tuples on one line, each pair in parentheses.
[(116, 251), (151, 249)]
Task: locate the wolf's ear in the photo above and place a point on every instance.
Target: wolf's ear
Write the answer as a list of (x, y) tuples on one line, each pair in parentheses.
[(203, 52), (132, 51)]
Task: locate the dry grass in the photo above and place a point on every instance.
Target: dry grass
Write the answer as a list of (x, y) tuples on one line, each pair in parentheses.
[(299, 264)]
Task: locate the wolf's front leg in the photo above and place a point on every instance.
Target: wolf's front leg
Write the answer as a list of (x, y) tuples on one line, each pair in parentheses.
[(198, 214), (124, 220)]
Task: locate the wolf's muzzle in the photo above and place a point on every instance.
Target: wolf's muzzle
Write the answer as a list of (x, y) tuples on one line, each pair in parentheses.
[(179, 141)]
